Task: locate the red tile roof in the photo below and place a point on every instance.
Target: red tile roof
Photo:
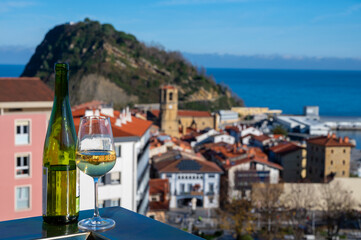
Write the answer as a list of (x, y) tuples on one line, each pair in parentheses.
[(137, 127), (159, 187), (285, 148), (24, 89), (167, 87), (95, 104), (261, 138), (173, 163), (330, 141), (186, 113), (191, 113)]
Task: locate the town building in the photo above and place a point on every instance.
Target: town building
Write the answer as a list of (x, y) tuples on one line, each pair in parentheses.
[(190, 177), (173, 121), (293, 159), (264, 142), (328, 157), (158, 199), (25, 107), (162, 143), (127, 184), (252, 111), (243, 166), (227, 117)]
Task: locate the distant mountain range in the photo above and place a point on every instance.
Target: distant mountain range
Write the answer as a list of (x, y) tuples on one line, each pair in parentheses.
[(272, 62)]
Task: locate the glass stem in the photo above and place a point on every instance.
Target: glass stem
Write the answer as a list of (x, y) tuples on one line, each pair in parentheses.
[(96, 209)]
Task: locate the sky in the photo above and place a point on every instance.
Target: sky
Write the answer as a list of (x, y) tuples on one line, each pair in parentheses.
[(288, 28)]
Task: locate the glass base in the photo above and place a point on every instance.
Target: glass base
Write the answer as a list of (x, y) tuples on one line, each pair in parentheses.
[(96, 224)]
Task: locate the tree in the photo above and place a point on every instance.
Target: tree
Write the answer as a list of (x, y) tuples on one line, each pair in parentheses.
[(266, 198), (237, 216), (279, 130), (337, 204), (298, 201)]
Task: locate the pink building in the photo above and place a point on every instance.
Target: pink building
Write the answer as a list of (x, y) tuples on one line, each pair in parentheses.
[(25, 106)]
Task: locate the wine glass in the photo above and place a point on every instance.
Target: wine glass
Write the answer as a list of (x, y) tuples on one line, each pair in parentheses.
[(95, 156)]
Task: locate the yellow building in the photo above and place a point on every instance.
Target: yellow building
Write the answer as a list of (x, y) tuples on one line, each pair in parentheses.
[(250, 111), (173, 121), (328, 157), (293, 159)]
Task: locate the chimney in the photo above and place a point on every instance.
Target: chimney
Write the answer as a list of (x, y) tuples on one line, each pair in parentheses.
[(333, 135), (329, 135), (118, 122), (347, 139), (123, 117), (340, 139), (129, 115)]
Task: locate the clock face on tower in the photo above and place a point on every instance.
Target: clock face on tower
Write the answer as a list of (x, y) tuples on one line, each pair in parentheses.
[(170, 106)]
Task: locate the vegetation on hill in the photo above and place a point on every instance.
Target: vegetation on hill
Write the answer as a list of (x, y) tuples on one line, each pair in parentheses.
[(110, 65)]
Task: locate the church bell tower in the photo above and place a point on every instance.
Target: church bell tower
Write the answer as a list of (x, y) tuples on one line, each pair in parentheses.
[(168, 99)]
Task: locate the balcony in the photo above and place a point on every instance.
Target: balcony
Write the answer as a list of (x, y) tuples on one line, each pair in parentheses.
[(129, 225)]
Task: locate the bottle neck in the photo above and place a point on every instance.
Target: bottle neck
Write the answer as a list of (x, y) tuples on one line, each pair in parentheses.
[(61, 84)]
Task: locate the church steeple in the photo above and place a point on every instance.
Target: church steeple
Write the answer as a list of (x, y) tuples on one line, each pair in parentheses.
[(168, 99)]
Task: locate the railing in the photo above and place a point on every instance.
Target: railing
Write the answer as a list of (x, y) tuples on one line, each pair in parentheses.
[(129, 225)]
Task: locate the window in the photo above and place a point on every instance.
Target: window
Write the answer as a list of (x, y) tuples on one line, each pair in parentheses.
[(331, 151), (169, 175), (115, 177), (211, 187), (190, 187), (331, 162), (210, 199), (22, 198), (343, 162), (115, 202), (211, 175), (170, 96), (118, 150), (22, 132), (343, 173), (22, 165), (344, 151), (182, 188)]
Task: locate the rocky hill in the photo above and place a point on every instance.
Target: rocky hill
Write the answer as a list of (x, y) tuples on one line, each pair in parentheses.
[(114, 66)]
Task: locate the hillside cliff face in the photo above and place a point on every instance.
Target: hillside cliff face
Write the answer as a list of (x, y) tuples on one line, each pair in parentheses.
[(113, 66)]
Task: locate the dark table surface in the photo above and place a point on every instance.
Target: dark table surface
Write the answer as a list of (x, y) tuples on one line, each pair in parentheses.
[(129, 225)]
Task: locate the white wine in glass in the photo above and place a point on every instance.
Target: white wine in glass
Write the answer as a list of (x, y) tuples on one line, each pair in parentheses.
[(95, 156)]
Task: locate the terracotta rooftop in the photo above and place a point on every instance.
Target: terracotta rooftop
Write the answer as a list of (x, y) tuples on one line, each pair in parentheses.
[(159, 187), (186, 113), (167, 87), (261, 138), (137, 127), (186, 162), (24, 89), (285, 148), (330, 141), (95, 104)]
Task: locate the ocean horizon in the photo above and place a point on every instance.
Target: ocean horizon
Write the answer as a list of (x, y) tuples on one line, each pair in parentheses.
[(336, 92)]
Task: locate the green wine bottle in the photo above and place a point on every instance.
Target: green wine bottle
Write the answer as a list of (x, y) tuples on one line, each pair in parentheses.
[(60, 185)]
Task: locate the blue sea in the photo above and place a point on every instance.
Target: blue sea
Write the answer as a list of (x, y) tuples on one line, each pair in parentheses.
[(337, 93)]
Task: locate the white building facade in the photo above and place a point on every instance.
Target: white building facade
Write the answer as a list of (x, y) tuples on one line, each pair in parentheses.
[(127, 184)]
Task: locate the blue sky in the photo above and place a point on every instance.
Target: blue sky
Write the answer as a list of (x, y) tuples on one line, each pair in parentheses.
[(290, 28)]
